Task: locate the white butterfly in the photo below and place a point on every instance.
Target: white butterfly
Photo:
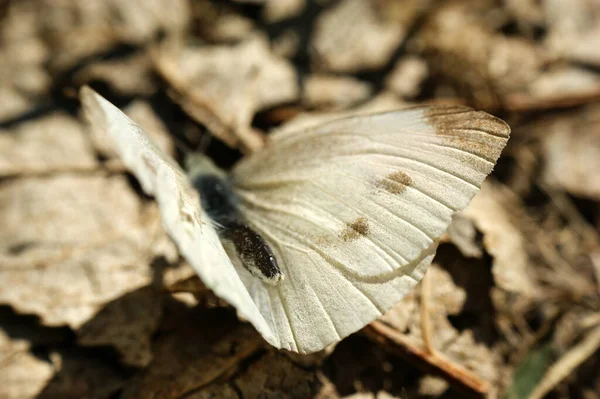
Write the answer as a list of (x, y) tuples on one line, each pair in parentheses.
[(327, 227)]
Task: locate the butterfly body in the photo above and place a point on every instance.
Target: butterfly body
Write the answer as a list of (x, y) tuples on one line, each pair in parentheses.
[(350, 210), (220, 203)]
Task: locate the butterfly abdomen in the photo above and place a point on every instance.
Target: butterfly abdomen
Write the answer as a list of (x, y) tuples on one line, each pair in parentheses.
[(220, 203)]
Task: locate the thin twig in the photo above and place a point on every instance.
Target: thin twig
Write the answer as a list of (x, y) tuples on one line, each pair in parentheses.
[(456, 375), (424, 313)]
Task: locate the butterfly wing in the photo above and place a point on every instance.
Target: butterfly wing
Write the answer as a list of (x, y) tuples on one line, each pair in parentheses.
[(182, 216), (353, 210)]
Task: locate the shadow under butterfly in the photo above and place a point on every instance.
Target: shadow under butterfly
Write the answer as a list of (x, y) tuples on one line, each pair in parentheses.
[(326, 228)]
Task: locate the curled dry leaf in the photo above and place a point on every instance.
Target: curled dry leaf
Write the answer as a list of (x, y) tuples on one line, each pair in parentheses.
[(223, 86), (22, 374), (56, 142), (498, 214), (357, 35), (337, 92), (69, 244), (571, 146)]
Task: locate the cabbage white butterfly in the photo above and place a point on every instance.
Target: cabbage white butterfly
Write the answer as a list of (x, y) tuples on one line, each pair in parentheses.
[(327, 227)]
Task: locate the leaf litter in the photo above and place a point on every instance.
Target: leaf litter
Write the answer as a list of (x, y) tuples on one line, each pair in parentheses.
[(99, 302)]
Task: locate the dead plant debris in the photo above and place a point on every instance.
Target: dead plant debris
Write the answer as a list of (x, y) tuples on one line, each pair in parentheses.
[(94, 299)]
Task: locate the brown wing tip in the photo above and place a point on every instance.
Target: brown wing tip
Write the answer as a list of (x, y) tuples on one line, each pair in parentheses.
[(444, 117)]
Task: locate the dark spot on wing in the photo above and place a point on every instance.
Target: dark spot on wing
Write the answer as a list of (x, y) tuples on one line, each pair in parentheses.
[(396, 182), (356, 229)]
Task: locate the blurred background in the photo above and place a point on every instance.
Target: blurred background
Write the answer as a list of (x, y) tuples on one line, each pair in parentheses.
[(95, 301)]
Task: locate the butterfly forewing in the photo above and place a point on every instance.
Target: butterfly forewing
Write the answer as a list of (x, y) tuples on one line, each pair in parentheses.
[(354, 208)]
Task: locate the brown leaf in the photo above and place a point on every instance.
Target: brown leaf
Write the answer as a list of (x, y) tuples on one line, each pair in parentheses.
[(127, 323), (203, 350)]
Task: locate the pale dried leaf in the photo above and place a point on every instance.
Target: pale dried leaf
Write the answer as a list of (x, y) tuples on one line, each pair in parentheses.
[(277, 10), (574, 29), (407, 76), (223, 86), (446, 299), (486, 67), (463, 234), (336, 92), (571, 146), (70, 244), (79, 29), (126, 76), (56, 142), (356, 35), (498, 214), (23, 79), (22, 375)]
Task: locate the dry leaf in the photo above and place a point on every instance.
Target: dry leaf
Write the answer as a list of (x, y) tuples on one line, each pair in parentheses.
[(70, 244), (22, 375), (125, 76), (79, 375), (202, 351), (277, 10), (485, 68), (223, 86), (127, 323), (498, 214), (571, 146), (56, 142), (460, 347), (356, 35), (574, 29), (79, 29), (407, 76), (23, 78), (274, 375), (334, 92)]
